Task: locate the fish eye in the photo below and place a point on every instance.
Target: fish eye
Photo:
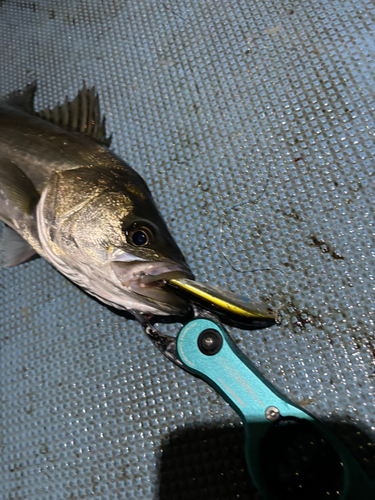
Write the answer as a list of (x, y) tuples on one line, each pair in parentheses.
[(139, 235)]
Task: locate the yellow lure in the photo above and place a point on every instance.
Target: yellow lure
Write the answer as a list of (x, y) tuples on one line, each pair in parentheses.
[(226, 303)]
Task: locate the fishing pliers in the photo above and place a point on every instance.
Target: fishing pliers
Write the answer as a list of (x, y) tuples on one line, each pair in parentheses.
[(290, 454)]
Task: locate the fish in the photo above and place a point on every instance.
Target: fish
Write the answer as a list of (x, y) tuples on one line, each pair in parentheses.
[(64, 195)]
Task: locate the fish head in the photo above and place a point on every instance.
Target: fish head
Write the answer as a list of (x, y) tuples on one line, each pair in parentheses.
[(102, 229)]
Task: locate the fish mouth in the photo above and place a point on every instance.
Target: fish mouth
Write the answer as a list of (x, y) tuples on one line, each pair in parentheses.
[(149, 281)]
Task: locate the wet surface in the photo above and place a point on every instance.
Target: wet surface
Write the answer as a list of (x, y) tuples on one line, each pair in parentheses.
[(252, 123)]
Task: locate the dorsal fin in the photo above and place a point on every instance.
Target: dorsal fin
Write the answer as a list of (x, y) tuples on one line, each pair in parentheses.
[(23, 99), (80, 115)]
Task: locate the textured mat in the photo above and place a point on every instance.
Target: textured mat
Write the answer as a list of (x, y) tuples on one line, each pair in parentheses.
[(253, 123)]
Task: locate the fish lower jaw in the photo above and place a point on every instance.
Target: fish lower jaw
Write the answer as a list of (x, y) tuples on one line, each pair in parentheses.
[(156, 292), (147, 282)]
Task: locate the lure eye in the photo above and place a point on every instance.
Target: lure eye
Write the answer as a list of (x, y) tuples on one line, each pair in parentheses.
[(139, 236)]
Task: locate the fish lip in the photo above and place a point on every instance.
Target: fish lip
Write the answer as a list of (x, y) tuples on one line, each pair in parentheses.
[(145, 279), (152, 272), (148, 280), (153, 279)]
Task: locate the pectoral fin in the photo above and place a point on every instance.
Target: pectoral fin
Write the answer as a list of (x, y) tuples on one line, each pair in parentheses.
[(14, 249), (18, 196), (18, 200)]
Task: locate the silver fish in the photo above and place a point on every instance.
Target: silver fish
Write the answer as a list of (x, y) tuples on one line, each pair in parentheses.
[(81, 207)]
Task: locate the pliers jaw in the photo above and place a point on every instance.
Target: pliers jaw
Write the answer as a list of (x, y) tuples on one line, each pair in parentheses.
[(166, 344)]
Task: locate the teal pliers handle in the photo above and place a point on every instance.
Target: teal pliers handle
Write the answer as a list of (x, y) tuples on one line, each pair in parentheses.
[(278, 433)]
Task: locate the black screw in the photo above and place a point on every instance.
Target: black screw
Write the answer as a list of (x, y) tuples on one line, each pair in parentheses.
[(210, 342)]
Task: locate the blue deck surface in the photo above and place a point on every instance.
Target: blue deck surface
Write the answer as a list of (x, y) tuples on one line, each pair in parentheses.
[(253, 124)]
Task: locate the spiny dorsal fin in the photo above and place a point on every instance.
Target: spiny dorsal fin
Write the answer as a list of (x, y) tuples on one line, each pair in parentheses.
[(80, 115), (23, 99)]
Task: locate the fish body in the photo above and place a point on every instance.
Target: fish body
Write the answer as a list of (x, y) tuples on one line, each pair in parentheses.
[(67, 197), (83, 208)]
